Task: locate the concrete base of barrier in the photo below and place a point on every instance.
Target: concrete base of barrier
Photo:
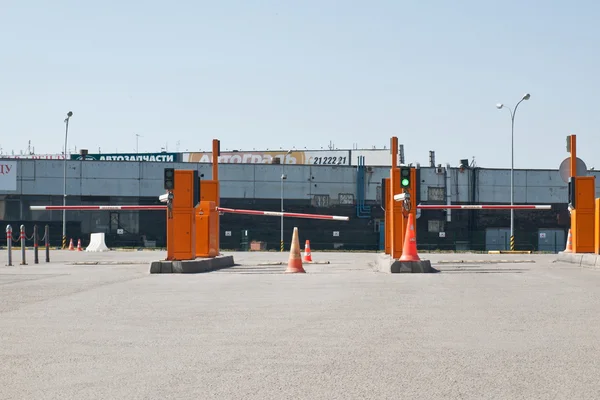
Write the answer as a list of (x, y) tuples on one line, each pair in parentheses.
[(580, 259), (191, 266), (387, 264)]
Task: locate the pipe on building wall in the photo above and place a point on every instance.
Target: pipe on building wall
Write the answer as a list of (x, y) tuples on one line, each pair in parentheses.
[(448, 176)]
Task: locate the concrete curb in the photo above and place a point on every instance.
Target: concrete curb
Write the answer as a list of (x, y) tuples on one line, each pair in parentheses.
[(191, 266), (285, 263), (581, 260), (484, 261), (386, 264)]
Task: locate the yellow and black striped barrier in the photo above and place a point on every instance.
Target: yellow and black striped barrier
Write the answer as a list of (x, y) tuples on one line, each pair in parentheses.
[(281, 246), (512, 243)]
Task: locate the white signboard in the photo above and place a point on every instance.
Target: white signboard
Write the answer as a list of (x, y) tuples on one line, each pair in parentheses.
[(542, 235), (317, 157), (8, 175), (442, 234), (336, 233), (227, 233), (120, 231)]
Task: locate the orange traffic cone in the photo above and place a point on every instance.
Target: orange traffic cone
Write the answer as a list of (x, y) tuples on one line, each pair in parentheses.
[(295, 260), (71, 247), (79, 245), (307, 254), (569, 248), (409, 252)]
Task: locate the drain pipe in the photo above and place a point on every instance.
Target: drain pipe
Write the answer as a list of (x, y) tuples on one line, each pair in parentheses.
[(448, 177)]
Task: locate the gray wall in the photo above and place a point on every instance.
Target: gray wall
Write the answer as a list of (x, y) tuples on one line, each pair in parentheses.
[(135, 179)]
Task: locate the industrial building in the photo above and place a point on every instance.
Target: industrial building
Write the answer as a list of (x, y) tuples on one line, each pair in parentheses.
[(351, 189)]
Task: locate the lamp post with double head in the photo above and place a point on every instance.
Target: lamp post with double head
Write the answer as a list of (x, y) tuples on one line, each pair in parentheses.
[(64, 221), (512, 166)]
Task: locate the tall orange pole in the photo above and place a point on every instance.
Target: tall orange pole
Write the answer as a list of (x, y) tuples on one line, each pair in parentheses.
[(573, 146), (215, 164), (396, 216), (216, 152), (394, 151)]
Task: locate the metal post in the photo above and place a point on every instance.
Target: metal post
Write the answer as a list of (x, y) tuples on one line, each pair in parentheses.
[(512, 166), (64, 227), (36, 259), (64, 216), (23, 260), (281, 239), (512, 181), (9, 244), (47, 242)]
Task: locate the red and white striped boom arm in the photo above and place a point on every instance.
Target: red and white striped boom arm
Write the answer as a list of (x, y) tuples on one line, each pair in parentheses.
[(220, 209), (482, 207)]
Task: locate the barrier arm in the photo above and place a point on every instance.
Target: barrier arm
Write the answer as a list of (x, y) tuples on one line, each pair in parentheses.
[(219, 209)]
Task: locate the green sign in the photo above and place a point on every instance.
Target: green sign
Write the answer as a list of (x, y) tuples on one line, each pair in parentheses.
[(152, 157)]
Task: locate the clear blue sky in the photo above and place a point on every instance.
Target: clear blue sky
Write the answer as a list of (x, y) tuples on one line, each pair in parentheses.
[(277, 74)]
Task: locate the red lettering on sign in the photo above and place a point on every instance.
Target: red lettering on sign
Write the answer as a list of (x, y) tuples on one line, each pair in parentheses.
[(5, 169)]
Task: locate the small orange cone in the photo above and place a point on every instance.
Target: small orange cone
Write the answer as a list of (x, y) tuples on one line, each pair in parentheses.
[(409, 252), (569, 248), (79, 245), (307, 253), (295, 260), (71, 247)]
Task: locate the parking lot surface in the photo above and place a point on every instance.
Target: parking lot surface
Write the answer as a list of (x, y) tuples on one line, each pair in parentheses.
[(99, 326)]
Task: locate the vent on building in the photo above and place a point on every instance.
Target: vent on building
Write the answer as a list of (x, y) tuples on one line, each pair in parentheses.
[(435, 226), (320, 200), (346, 198), (435, 193)]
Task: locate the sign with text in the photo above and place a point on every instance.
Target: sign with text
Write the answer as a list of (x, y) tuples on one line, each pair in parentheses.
[(151, 157), (332, 157), (8, 176), (34, 156)]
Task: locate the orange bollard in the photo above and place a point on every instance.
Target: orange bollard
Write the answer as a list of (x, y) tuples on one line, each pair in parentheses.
[(295, 260), (79, 245), (71, 247)]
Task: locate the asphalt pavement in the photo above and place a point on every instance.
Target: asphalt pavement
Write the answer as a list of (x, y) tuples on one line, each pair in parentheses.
[(99, 326)]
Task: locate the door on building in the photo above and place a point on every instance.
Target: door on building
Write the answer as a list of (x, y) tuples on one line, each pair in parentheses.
[(551, 240), (497, 239)]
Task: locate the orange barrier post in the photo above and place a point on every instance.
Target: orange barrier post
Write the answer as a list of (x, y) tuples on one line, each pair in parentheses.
[(206, 230), (597, 230), (583, 221), (79, 245), (71, 247), (295, 260), (387, 224), (209, 192), (181, 223)]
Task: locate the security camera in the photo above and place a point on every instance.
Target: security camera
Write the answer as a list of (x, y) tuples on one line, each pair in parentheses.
[(401, 196), (164, 198), (70, 114)]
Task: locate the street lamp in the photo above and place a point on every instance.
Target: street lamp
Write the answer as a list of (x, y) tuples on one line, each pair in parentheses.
[(283, 178), (64, 227), (499, 106)]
